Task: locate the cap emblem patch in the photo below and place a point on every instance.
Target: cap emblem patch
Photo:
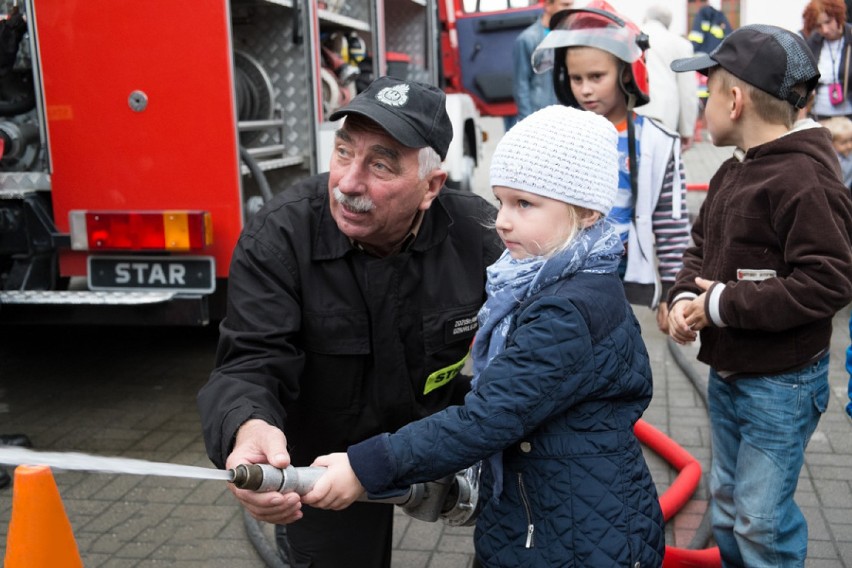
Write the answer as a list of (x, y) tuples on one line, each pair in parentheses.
[(395, 96)]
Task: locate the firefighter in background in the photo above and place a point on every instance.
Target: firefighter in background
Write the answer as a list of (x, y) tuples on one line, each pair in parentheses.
[(709, 27), (352, 303)]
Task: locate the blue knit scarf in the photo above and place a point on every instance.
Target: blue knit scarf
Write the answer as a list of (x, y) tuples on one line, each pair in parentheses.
[(596, 249)]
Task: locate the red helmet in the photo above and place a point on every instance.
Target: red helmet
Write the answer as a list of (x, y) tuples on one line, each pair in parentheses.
[(596, 25)]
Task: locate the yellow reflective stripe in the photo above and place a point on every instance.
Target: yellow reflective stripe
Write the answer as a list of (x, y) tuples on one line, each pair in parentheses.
[(717, 32), (705, 26), (696, 37), (443, 376), (176, 229)]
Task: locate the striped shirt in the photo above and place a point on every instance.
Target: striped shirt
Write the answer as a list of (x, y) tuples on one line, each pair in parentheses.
[(671, 235)]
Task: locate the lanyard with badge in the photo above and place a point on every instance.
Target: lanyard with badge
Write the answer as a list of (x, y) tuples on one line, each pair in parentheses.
[(835, 91)]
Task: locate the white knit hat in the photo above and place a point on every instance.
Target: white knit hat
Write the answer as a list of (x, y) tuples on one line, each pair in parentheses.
[(563, 153)]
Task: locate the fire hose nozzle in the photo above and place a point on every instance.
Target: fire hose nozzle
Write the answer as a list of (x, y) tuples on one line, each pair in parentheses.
[(453, 498), (263, 477)]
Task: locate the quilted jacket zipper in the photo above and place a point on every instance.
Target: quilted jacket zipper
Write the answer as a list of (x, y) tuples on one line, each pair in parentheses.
[(527, 510)]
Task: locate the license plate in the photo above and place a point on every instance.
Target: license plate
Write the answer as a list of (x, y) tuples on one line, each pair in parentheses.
[(180, 274)]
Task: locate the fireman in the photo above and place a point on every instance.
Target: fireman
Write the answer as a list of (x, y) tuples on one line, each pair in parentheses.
[(709, 28), (352, 302)]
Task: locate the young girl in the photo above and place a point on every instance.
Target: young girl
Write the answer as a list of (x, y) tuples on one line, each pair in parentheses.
[(560, 373)]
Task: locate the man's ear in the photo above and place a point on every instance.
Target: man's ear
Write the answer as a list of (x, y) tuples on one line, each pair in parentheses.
[(435, 181)]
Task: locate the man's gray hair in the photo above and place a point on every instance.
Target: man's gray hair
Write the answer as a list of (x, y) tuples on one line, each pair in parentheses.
[(427, 160), (660, 13)]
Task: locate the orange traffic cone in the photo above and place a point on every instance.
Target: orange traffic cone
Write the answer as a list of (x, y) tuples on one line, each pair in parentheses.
[(40, 534)]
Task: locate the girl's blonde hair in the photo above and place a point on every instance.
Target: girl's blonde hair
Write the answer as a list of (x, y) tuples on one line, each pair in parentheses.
[(580, 218)]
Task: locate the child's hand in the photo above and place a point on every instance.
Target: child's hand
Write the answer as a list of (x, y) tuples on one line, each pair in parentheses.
[(679, 330), (338, 487), (694, 314), (663, 317)]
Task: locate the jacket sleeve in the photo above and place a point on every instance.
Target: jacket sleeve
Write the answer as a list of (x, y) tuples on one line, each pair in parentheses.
[(257, 365), (522, 68), (545, 370), (693, 259), (671, 233), (696, 33)]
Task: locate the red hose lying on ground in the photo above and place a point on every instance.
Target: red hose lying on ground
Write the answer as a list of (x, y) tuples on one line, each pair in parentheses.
[(678, 494)]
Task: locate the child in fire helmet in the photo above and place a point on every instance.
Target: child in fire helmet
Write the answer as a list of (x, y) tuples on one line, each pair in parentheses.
[(598, 65)]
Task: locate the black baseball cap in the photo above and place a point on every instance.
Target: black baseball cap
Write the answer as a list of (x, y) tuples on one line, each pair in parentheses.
[(768, 57), (414, 114)]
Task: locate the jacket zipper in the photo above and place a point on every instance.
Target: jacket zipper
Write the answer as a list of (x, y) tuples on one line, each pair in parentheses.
[(527, 510)]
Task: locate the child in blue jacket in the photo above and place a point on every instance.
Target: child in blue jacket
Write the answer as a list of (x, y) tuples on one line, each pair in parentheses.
[(561, 373)]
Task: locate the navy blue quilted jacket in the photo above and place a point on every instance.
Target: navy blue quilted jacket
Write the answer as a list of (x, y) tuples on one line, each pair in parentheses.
[(560, 403)]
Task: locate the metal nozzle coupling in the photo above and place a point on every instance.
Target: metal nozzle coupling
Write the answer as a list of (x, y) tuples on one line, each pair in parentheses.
[(263, 477)]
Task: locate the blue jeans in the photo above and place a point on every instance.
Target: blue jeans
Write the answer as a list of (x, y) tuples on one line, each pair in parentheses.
[(761, 427)]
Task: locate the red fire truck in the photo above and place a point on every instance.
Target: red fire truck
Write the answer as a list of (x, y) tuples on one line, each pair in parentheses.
[(136, 139)]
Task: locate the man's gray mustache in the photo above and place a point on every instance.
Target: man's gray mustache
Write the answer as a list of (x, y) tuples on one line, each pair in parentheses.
[(360, 204)]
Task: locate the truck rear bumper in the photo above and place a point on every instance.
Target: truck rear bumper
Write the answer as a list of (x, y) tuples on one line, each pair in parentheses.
[(108, 308)]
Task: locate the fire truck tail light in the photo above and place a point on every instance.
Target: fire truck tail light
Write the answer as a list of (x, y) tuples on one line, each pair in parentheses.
[(140, 230)]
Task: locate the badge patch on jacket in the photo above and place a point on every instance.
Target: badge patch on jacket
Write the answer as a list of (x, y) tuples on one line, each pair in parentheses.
[(457, 329), (755, 274)]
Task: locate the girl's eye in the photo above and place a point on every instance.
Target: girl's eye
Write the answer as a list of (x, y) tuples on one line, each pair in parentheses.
[(523, 203)]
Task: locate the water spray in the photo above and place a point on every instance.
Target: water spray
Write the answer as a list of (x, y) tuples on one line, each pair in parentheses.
[(74, 461)]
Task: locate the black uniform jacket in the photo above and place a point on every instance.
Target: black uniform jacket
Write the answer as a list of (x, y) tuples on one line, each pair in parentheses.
[(333, 345)]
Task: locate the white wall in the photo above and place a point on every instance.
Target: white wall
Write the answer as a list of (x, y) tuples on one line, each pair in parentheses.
[(783, 13)]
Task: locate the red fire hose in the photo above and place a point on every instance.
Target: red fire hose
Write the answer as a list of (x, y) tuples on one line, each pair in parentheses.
[(678, 494)]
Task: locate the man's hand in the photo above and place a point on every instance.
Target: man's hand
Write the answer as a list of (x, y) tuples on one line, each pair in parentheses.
[(338, 487), (259, 442)]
